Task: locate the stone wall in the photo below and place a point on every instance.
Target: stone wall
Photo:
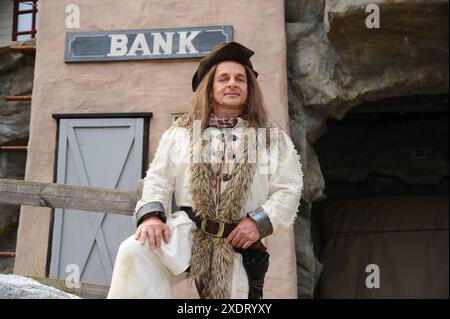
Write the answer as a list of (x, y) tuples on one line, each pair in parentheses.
[(16, 78)]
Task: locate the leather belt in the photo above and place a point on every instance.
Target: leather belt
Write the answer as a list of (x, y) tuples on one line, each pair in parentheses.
[(210, 226)]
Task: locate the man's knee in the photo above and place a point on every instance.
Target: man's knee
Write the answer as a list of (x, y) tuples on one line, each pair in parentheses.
[(131, 247), (128, 245)]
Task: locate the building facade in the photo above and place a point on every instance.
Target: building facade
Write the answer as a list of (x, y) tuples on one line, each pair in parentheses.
[(98, 123)]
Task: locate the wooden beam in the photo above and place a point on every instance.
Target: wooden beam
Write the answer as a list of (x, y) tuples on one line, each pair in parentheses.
[(13, 98), (7, 254), (67, 196), (14, 148), (23, 48)]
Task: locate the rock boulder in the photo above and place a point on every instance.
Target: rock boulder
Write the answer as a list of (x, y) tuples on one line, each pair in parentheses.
[(19, 287)]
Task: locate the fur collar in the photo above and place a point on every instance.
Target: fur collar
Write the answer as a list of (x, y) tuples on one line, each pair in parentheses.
[(212, 258)]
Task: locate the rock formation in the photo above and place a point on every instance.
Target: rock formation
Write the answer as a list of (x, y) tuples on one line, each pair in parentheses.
[(16, 78), (338, 59), (19, 287)]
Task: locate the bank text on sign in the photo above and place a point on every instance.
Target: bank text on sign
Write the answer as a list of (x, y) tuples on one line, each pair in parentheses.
[(150, 44)]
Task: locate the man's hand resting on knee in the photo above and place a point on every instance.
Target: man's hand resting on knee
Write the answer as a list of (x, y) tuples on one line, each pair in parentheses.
[(152, 228)]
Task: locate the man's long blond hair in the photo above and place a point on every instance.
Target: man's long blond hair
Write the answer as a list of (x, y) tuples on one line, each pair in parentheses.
[(254, 108)]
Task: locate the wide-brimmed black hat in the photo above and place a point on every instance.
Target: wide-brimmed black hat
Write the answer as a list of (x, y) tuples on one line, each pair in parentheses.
[(231, 51)]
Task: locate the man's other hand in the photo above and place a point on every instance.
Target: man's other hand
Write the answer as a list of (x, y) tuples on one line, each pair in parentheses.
[(244, 234), (153, 229)]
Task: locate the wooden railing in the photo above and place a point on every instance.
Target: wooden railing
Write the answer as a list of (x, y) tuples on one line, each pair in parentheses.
[(53, 195)]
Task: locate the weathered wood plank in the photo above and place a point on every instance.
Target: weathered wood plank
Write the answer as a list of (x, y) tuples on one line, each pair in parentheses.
[(67, 196), (22, 148), (7, 254), (13, 98), (23, 48)]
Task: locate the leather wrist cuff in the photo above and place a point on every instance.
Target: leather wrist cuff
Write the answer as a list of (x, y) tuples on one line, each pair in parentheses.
[(262, 222), (154, 208), (160, 215)]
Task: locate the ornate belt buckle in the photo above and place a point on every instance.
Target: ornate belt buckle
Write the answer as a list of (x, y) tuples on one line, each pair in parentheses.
[(220, 231)]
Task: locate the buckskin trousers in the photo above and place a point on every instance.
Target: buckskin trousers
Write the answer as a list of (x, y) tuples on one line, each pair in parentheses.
[(142, 273)]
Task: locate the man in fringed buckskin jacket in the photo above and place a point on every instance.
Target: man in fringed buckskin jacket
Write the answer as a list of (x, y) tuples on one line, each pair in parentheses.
[(236, 178)]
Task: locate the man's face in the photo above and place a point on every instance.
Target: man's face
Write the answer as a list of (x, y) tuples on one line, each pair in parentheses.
[(230, 85)]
